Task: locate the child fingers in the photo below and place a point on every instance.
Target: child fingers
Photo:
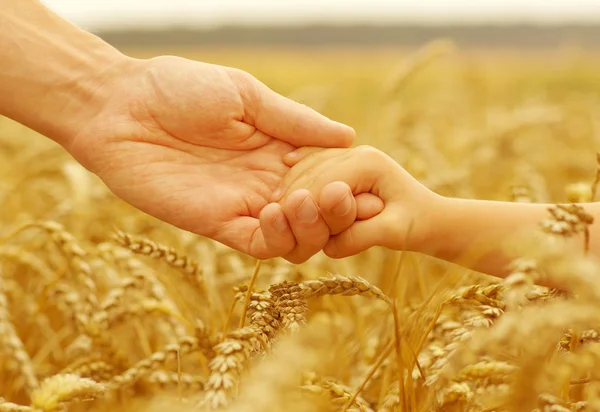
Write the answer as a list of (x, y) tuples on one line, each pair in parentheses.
[(287, 120), (303, 174), (309, 228), (342, 171), (338, 206), (368, 205)]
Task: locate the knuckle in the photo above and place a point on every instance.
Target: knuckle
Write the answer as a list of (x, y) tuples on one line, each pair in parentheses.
[(241, 77), (299, 179), (309, 152), (247, 86), (296, 180), (369, 151)]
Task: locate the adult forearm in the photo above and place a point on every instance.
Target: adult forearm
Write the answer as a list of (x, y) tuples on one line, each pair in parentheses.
[(476, 233), (52, 73)]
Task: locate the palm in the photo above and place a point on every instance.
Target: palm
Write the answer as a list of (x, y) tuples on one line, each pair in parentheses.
[(198, 146), (220, 199)]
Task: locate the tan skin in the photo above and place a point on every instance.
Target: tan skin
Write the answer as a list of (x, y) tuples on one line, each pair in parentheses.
[(207, 148), (197, 145), (414, 218), (188, 154)]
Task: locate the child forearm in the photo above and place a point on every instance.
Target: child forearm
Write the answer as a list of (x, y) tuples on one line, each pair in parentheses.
[(472, 232), (52, 72)]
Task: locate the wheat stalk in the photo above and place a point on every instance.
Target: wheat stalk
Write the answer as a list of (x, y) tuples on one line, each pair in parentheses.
[(173, 258), (11, 343), (227, 365), (341, 285), (154, 362)]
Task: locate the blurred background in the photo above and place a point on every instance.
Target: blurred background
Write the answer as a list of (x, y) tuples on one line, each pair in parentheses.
[(489, 99), (115, 14)]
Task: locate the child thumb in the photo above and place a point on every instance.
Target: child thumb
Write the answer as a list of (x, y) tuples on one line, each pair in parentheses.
[(359, 237)]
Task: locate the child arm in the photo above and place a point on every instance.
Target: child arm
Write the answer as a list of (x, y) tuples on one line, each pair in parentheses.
[(485, 227), (416, 219)]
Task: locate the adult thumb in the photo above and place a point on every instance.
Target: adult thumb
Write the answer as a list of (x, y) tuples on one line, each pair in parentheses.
[(295, 123)]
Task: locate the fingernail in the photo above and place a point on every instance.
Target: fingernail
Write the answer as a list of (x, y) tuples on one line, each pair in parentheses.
[(280, 222), (342, 208), (307, 212)]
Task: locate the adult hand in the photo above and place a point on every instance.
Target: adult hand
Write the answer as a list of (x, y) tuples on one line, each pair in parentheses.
[(196, 145), (200, 146)]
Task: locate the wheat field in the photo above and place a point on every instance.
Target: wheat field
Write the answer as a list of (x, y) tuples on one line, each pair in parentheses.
[(103, 308)]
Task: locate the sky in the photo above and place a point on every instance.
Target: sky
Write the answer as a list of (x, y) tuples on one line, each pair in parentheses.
[(103, 14)]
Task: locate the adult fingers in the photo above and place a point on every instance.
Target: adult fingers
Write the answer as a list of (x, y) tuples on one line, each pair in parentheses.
[(360, 180), (302, 175), (267, 237), (272, 235), (337, 206), (364, 170), (309, 228), (275, 236), (292, 122), (340, 208)]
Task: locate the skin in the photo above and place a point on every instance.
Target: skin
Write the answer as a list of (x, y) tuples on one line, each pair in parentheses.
[(196, 145), (413, 217)]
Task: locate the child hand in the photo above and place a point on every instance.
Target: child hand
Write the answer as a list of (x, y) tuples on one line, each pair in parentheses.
[(408, 205), (335, 210)]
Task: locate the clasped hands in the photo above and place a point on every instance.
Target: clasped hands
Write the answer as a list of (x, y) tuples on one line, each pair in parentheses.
[(202, 147)]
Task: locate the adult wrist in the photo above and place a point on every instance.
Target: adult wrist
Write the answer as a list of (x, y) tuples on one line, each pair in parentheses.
[(90, 87), (54, 76), (90, 76)]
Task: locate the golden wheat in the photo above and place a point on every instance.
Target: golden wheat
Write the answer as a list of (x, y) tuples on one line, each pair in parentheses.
[(147, 318)]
